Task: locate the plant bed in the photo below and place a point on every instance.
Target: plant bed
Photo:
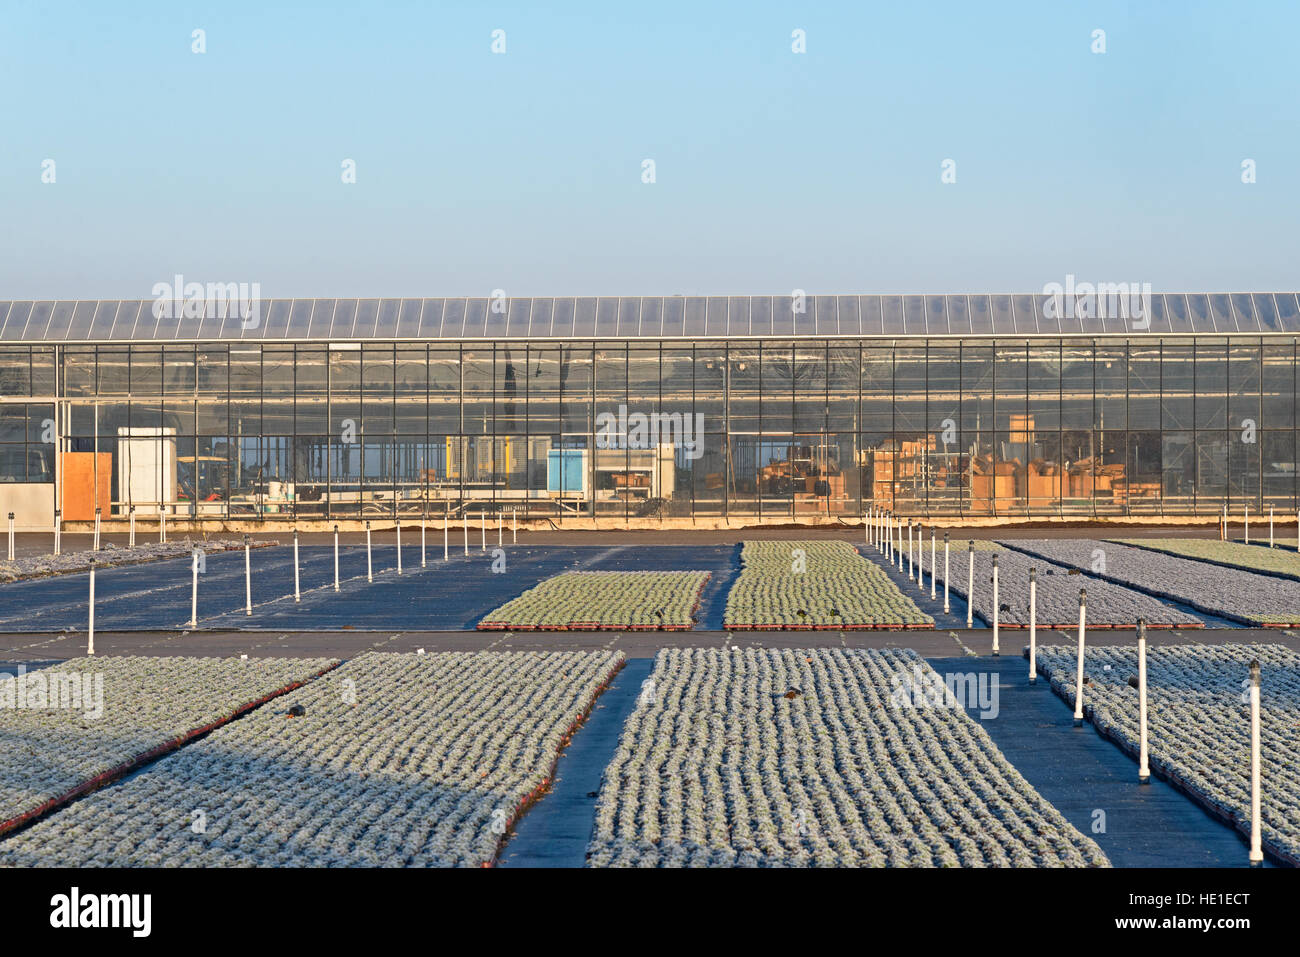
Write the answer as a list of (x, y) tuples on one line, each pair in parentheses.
[(831, 583), (1262, 561), (597, 601)]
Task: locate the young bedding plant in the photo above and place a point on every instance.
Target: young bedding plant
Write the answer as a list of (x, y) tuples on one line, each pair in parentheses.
[(1236, 594), (73, 726), (634, 601), (1253, 558), (825, 757), (816, 585), (391, 760), (1198, 724)]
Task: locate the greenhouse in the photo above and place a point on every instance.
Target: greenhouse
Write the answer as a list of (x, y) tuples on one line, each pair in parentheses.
[(752, 409)]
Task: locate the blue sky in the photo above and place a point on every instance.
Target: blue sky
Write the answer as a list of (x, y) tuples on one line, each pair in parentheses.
[(522, 171)]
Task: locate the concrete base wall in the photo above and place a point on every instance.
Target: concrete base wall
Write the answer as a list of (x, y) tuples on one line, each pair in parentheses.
[(32, 504)]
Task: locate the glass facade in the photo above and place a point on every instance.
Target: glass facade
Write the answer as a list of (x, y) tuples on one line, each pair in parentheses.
[(753, 428)]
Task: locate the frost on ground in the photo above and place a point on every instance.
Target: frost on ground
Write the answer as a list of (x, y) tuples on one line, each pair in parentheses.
[(1228, 592), (826, 757), (1275, 561), (1057, 596), (41, 566), (64, 726), (395, 760), (631, 600), (815, 585), (1198, 722)]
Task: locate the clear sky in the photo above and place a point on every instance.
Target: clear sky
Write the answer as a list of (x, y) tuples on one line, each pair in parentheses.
[(522, 171)]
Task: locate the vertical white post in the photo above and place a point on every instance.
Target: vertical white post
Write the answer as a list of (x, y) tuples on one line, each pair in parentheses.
[(1033, 625), (996, 608), (911, 569), (95, 546), (1144, 768), (446, 536), (248, 578), (1078, 681), (1245, 523), (297, 593), (1270, 526), (131, 524), (58, 527), (933, 553), (11, 536), (370, 567), (162, 524), (970, 585), (514, 527), (1256, 843), (898, 548), (946, 575), (866, 527), (500, 518), (423, 524), (90, 622), (194, 589), (399, 546), (336, 557), (465, 525), (482, 531)]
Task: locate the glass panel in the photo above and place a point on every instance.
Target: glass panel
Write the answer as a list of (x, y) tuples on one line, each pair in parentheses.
[(694, 322), (1025, 315), (386, 324), (1115, 312), (782, 316), (154, 314), (345, 314), (299, 320), (1198, 310), (892, 309), (322, 319), (584, 318), (124, 321), (1246, 321), (1180, 320), (80, 327), (826, 316), (1001, 312), (4, 315), (453, 318), (606, 317), (981, 318), (914, 315), (760, 315), (716, 321), (101, 327), (539, 322), (652, 319), (209, 327), (431, 319), (59, 322), (367, 315), (494, 326), (869, 315), (1159, 315), (17, 321), (408, 321), (1221, 310), (563, 319), (517, 319), (1266, 312), (629, 317), (674, 312), (850, 321), (275, 317), (1288, 311), (958, 316), (936, 318), (738, 316)]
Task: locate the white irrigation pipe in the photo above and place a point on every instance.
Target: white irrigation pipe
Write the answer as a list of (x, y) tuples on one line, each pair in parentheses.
[(336, 558), (90, 622), (194, 589), (866, 527), (11, 536), (370, 567), (95, 547), (297, 593), (162, 524), (996, 610), (131, 524), (1144, 768), (465, 525), (1270, 526), (933, 554), (1245, 522), (482, 530), (445, 535), (499, 529), (248, 578), (945, 573), (423, 524), (514, 527), (1078, 681), (399, 546), (1256, 848), (58, 523), (970, 586), (911, 568), (1033, 625)]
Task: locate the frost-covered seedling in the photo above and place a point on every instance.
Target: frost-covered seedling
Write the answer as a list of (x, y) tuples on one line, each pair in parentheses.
[(1228, 592), (392, 760), (1199, 722), (780, 758), (815, 585), (41, 566), (1273, 561), (64, 726), (630, 600)]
